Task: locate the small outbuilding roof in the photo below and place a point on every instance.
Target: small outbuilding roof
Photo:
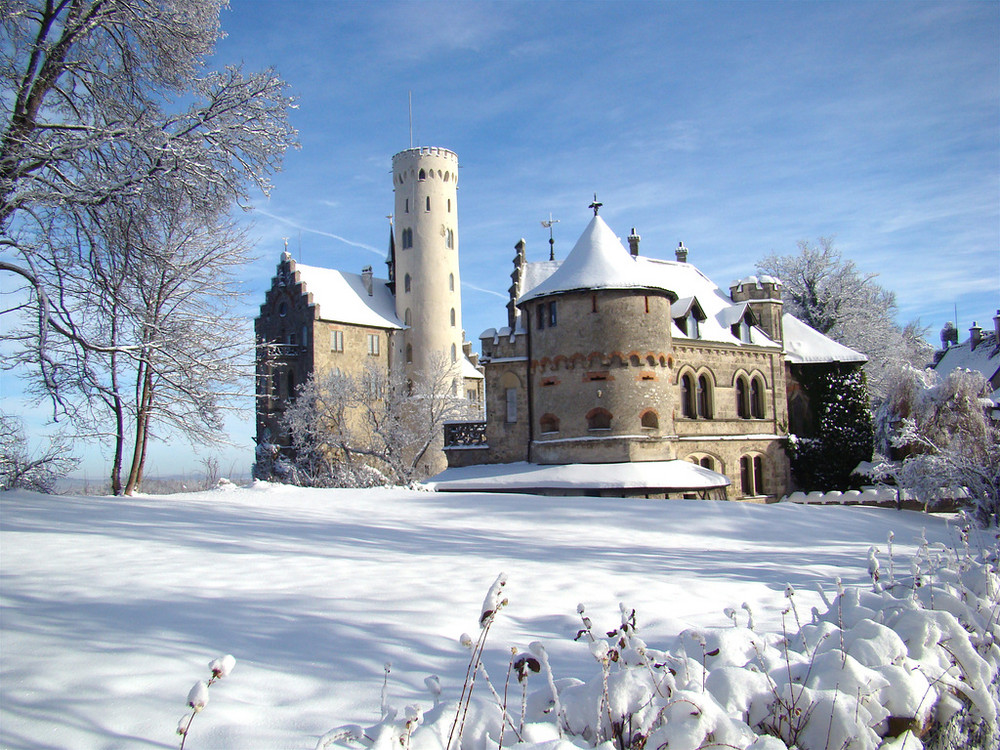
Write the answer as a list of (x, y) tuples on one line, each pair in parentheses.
[(653, 476)]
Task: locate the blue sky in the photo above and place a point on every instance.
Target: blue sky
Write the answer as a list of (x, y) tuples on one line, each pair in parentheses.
[(737, 128)]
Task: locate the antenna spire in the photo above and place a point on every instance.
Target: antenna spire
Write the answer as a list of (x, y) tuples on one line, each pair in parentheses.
[(552, 243), (410, 94)]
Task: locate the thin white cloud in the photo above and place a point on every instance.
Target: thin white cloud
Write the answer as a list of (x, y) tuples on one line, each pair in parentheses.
[(320, 232)]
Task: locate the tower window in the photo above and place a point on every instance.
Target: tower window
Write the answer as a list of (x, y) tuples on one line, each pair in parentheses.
[(707, 463), (373, 346), (428, 203), (450, 240), (407, 238), (407, 317), (451, 282), (406, 283), (552, 313), (650, 420), (593, 303), (409, 352), (453, 317), (511, 397), (449, 200), (422, 175), (540, 316), (599, 418), (406, 207), (454, 353)]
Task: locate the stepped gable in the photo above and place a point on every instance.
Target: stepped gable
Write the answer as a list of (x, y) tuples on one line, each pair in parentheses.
[(597, 261)]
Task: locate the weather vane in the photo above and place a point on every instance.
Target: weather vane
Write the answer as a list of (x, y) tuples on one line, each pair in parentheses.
[(595, 205), (552, 243)]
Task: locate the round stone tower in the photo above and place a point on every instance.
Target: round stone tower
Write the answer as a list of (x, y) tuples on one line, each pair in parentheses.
[(428, 300)]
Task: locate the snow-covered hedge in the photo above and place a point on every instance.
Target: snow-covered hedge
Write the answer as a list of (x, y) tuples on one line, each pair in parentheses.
[(910, 663)]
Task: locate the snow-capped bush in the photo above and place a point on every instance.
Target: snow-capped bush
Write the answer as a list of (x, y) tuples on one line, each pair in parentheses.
[(911, 664)]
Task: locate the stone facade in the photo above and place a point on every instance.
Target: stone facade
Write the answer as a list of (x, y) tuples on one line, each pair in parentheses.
[(651, 363)]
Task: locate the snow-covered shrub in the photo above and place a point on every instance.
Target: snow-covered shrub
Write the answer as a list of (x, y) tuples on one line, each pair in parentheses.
[(910, 664), (945, 444), (21, 469)]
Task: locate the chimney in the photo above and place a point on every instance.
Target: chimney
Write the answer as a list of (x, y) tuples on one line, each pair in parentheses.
[(996, 327), (682, 253), (633, 243), (366, 279), (975, 335)]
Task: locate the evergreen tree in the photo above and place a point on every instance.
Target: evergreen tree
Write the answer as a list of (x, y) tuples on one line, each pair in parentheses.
[(844, 433)]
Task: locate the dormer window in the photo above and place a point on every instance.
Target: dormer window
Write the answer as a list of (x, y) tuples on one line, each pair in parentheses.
[(741, 330), (692, 325)]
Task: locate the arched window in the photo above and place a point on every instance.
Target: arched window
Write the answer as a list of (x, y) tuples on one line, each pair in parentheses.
[(649, 420), (704, 398), (687, 397), (406, 208), (407, 317), (742, 398), (757, 398), (407, 238), (549, 423), (422, 175), (746, 475), (758, 475), (427, 205), (449, 200), (450, 240), (454, 353), (406, 283), (451, 282), (707, 463), (409, 351), (453, 317), (599, 418)]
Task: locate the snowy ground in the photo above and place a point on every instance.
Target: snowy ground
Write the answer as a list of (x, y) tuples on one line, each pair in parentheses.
[(112, 608)]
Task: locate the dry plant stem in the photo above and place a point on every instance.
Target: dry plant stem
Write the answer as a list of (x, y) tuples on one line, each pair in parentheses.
[(187, 728), (501, 703), (470, 682)]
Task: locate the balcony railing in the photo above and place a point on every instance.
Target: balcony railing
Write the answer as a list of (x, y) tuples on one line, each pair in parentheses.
[(464, 434)]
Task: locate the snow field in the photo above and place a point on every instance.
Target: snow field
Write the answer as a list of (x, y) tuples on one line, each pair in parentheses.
[(113, 608)]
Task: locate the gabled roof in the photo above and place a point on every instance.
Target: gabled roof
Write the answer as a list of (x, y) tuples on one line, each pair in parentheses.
[(985, 358), (806, 345), (341, 297), (597, 261)]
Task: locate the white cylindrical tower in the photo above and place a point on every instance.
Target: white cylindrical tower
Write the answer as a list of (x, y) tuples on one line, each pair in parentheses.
[(428, 300)]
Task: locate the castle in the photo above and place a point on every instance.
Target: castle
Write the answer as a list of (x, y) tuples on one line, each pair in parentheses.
[(631, 366)]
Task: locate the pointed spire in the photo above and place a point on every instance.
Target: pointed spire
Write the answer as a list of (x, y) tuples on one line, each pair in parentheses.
[(595, 205)]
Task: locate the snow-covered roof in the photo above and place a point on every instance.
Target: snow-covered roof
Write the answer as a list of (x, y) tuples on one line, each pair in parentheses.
[(806, 345), (341, 297), (469, 370), (985, 358), (525, 477), (597, 261)]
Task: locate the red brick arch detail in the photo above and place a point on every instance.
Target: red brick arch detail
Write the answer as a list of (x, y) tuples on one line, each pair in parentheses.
[(559, 361)]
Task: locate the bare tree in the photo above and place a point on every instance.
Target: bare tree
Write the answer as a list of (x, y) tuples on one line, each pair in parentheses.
[(97, 111), (831, 295), (21, 469), (345, 427), (155, 301)]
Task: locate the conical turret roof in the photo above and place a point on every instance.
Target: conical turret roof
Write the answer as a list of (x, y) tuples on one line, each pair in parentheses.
[(597, 261)]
